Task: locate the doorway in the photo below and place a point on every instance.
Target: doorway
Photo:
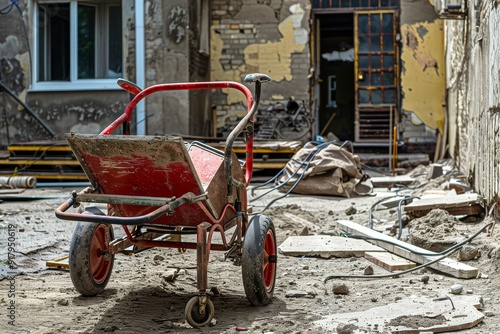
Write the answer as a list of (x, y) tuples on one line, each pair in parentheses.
[(357, 83), (336, 79)]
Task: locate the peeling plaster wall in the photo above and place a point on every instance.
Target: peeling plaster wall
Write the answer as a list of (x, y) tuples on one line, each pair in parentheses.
[(86, 112), (422, 70), (474, 97), (16, 123), (170, 57), (270, 37)]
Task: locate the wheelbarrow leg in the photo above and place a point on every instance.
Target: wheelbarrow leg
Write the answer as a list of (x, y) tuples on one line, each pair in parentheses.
[(200, 309), (202, 256)]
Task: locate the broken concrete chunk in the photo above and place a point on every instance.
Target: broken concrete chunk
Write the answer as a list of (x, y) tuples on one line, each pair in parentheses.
[(340, 289), (456, 289)]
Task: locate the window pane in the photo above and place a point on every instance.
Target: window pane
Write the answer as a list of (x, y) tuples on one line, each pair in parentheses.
[(376, 96), (115, 42), (363, 43), (389, 61), (364, 79), (388, 43), (375, 79), (389, 96), (54, 47), (388, 79), (388, 25), (375, 25), (86, 42), (363, 62), (363, 96), (375, 43), (363, 24), (376, 62)]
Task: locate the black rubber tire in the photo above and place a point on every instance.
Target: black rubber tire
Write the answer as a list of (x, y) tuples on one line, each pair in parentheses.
[(88, 267), (194, 318), (291, 132), (258, 260)]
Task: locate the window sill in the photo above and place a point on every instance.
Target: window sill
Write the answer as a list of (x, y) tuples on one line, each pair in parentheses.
[(67, 86)]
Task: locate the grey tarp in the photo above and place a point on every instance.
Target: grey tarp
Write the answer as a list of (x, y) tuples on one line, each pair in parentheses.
[(325, 169)]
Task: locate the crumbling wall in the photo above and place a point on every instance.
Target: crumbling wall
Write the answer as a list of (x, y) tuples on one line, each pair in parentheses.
[(422, 72), (16, 124), (172, 57), (60, 111), (475, 98), (270, 37)]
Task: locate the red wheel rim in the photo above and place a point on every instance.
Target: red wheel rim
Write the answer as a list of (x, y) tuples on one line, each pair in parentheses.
[(100, 263), (269, 265)]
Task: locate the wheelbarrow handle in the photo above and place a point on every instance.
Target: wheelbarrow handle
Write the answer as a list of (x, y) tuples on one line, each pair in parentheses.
[(187, 198), (258, 78)]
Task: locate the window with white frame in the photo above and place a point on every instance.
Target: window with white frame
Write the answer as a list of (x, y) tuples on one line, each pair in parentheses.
[(332, 91), (78, 44)]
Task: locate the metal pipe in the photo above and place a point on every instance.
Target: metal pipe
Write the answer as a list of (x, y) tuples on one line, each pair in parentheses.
[(61, 213), (202, 257), (140, 64), (28, 109), (18, 181)]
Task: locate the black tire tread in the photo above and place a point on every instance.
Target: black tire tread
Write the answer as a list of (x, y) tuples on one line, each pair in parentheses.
[(79, 260), (253, 248)]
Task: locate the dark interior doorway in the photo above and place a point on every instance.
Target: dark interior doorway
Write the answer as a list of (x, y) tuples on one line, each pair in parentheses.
[(337, 86)]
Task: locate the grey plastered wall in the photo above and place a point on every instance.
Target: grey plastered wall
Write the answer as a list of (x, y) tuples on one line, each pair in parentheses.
[(87, 111), (270, 37), (17, 124), (171, 39), (474, 96)]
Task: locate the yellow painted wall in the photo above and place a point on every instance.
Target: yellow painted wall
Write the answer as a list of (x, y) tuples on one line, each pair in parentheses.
[(423, 76), (272, 58)]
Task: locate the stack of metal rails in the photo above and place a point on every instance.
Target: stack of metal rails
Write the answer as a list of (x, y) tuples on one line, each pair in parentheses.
[(50, 161), (44, 160)]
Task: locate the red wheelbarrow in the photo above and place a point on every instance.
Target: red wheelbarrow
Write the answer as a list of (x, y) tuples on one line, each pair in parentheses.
[(161, 189)]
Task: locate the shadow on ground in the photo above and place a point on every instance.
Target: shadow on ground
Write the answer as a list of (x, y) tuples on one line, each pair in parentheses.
[(156, 310)]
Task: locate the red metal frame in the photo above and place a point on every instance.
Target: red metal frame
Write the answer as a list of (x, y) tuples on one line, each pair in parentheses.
[(125, 117)]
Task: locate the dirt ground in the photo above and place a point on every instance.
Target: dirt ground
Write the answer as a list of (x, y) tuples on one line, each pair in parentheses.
[(141, 298)]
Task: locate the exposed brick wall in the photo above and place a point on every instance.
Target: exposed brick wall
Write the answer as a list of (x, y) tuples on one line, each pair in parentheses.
[(270, 37)]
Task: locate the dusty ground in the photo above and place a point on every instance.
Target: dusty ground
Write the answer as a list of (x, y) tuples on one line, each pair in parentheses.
[(139, 298)]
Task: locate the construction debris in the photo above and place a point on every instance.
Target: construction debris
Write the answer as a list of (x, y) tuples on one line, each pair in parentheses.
[(410, 252), (326, 246), (412, 315), (464, 204)]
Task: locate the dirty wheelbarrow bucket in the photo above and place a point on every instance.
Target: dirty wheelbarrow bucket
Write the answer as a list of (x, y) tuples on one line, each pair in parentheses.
[(165, 192)]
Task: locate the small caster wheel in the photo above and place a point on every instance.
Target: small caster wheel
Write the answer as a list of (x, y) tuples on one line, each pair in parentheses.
[(198, 316)]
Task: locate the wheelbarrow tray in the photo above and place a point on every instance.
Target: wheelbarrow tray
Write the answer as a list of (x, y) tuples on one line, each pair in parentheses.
[(154, 166)]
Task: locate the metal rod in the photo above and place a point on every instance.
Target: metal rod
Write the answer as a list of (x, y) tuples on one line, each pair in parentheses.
[(202, 257), (28, 109)]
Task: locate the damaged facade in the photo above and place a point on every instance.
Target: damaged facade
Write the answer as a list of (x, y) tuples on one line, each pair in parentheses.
[(473, 89), (366, 70)]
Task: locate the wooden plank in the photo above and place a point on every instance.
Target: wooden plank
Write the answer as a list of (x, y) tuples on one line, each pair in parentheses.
[(412, 315), (326, 246), (11, 191), (386, 181), (463, 204), (447, 265), (389, 261)]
